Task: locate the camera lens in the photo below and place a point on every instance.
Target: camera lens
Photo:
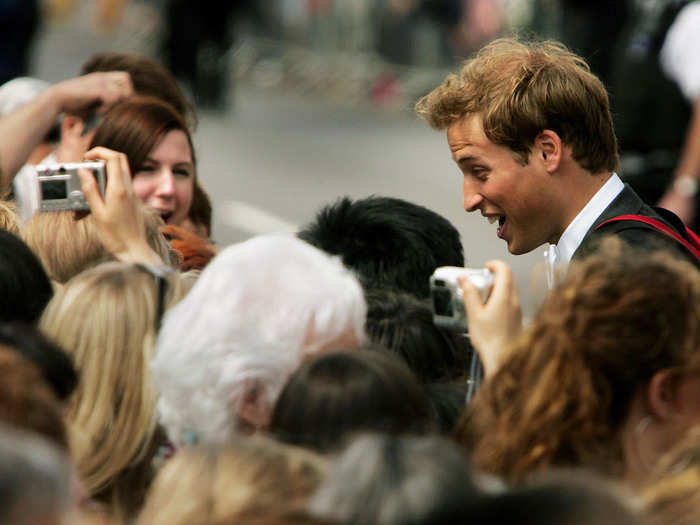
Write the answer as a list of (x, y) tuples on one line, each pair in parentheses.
[(54, 189), (442, 302)]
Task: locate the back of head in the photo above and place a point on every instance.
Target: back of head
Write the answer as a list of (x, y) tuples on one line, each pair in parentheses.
[(447, 401), (522, 88), (25, 288), (55, 365), (26, 399), (106, 319), (67, 246), (148, 77), (218, 484), (617, 319), (256, 310), (404, 325), (335, 395), (34, 479), (388, 242), (570, 497), (389, 480)]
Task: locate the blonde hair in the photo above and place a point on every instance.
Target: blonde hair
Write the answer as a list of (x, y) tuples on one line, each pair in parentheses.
[(105, 318), (67, 246), (215, 484), (9, 220), (521, 88)]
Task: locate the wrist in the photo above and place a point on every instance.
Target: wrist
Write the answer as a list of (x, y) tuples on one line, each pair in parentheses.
[(685, 186), (53, 99)]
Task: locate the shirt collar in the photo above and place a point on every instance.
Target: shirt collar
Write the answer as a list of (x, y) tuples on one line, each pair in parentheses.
[(577, 229)]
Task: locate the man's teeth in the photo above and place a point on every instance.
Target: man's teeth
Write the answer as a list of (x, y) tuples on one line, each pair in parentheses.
[(493, 219)]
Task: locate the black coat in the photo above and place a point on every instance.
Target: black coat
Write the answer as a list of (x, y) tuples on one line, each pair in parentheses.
[(637, 234)]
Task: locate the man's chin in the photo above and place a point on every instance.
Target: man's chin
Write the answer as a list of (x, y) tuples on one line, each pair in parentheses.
[(516, 249)]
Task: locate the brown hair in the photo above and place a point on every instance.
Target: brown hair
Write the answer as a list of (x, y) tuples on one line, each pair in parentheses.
[(200, 210), (149, 78), (562, 395), (27, 401), (522, 88), (136, 125)]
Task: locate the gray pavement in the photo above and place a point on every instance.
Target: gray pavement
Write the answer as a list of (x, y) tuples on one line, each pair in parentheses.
[(273, 159)]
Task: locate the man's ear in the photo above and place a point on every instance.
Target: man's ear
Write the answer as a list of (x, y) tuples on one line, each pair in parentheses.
[(254, 409), (549, 149), (660, 395)]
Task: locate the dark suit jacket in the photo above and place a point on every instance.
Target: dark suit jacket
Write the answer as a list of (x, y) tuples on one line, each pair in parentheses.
[(638, 235)]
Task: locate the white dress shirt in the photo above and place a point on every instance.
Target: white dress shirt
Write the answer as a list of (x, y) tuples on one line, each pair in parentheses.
[(561, 253)]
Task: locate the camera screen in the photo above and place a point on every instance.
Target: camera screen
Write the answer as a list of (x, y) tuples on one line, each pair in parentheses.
[(54, 189), (442, 302)]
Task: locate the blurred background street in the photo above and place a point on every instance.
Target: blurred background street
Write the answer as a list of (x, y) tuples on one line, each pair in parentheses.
[(307, 101)]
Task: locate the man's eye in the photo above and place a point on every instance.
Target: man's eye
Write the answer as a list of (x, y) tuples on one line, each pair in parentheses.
[(479, 172)]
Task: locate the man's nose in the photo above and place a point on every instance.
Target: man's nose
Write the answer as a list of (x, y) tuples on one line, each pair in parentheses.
[(470, 199)]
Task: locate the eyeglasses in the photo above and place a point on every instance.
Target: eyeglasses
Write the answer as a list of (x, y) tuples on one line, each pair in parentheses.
[(160, 274)]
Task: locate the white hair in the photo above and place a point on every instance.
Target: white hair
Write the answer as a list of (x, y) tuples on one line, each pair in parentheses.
[(256, 310), (19, 91)]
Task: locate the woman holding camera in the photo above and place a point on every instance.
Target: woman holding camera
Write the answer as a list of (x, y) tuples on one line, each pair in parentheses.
[(158, 146)]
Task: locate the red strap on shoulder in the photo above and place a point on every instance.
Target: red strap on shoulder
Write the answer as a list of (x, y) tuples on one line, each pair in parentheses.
[(693, 248)]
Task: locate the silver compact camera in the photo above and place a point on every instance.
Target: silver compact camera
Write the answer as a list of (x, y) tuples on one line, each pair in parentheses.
[(59, 185), (447, 300)]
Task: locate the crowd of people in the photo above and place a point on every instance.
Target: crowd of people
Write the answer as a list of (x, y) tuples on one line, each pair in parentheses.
[(149, 376)]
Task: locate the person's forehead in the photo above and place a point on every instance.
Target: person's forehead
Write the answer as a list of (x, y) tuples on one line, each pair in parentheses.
[(467, 133)]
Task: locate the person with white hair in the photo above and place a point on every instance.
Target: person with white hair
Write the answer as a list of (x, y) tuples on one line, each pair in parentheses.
[(20, 91), (258, 309)]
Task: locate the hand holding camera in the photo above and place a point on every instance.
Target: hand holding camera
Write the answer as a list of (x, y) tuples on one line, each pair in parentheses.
[(497, 321), (490, 307), (118, 216)]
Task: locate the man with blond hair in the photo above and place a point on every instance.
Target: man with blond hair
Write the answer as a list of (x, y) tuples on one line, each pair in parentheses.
[(530, 128)]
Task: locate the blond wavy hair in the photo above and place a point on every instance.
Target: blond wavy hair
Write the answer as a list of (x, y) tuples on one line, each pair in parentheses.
[(9, 220), (215, 484), (563, 392), (105, 318), (67, 246), (521, 88)]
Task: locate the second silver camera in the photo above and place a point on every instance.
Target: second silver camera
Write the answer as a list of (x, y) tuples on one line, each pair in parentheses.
[(59, 185), (446, 296)]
